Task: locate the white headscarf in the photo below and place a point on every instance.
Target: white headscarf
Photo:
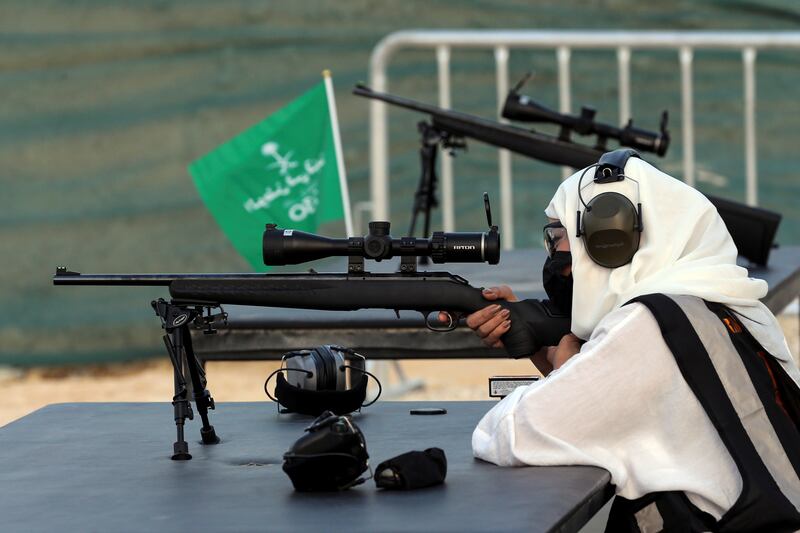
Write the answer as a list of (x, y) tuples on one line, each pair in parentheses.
[(685, 249)]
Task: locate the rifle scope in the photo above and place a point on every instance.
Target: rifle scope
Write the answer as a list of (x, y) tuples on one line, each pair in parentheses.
[(525, 109), (292, 247)]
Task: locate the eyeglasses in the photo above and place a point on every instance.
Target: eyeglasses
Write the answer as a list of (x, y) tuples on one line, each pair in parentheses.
[(553, 234)]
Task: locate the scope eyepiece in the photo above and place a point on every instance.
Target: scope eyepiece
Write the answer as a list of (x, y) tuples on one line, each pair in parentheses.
[(465, 247)]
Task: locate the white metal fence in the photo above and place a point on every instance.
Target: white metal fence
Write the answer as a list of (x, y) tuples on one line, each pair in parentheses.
[(684, 43)]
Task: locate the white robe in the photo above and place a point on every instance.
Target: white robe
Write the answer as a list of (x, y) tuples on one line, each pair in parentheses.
[(623, 405)]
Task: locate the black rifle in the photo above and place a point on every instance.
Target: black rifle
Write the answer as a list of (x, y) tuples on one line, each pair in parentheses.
[(752, 229), (449, 129), (425, 292), (534, 323), (463, 125)]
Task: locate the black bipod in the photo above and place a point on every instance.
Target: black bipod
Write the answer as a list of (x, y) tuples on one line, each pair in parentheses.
[(425, 196), (175, 319)]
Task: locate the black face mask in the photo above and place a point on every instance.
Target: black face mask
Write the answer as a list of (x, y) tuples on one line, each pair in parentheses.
[(558, 286)]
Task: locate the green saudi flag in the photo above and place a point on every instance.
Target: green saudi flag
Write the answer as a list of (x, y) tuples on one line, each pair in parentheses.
[(283, 170)]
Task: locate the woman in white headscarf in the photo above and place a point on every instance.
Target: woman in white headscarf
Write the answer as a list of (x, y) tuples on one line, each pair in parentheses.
[(618, 400)]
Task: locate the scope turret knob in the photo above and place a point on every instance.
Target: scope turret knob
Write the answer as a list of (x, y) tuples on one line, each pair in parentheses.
[(379, 228), (378, 244), (438, 251)]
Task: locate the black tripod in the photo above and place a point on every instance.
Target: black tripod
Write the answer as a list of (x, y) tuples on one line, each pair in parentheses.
[(175, 319), (425, 197)]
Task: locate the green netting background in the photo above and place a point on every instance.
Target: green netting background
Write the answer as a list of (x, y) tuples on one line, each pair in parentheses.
[(104, 103)]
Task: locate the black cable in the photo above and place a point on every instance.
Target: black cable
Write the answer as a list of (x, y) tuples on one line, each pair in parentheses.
[(307, 372), (586, 207), (377, 381)]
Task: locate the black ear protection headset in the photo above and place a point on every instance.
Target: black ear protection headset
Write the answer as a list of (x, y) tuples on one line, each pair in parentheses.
[(611, 226), (331, 455), (316, 381)]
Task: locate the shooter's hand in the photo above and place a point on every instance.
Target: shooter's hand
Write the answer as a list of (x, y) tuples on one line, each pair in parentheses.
[(568, 347), (542, 359), (491, 322), (550, 358)]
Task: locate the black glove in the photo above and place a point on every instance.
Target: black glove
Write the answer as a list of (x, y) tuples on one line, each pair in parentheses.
[(412, 470)]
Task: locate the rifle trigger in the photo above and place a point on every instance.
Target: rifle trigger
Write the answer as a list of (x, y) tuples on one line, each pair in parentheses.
[(432, 320)]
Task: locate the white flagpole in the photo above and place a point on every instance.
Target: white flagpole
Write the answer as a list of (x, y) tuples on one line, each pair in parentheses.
[(337, 146)]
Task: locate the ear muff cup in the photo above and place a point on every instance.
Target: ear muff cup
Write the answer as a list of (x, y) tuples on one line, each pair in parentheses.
[(610, 229), (303, 360)]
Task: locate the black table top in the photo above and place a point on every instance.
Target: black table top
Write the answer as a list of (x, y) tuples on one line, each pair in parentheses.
[(106, 467), (262, 332)]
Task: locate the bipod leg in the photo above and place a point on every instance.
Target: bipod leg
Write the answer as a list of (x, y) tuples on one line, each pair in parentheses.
[(202, 397), (426, 231), (180, 401), (425, 195)]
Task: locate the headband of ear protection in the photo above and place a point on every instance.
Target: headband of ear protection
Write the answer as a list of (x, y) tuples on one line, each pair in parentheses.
[(611, 226)]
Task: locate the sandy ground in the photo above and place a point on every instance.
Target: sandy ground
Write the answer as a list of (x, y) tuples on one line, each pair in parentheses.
[(151, 381)]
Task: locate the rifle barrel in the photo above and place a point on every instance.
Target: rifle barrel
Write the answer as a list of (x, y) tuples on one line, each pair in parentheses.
[(65, 277)]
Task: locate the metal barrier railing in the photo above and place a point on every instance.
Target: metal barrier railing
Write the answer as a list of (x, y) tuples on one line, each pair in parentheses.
[(563, 42)]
